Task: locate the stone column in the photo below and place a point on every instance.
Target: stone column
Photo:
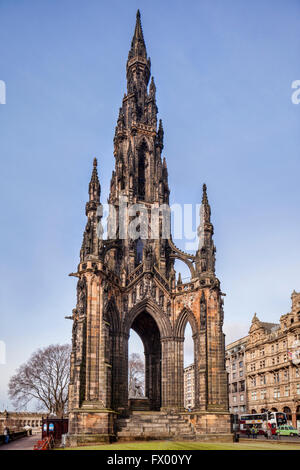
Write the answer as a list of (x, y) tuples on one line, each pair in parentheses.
[(120, 373), (172, 373)]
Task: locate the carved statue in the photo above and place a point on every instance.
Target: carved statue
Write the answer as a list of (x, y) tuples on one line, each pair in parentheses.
[(81, 296)]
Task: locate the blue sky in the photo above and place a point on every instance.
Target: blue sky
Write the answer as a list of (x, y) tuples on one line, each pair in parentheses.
[(223, 72)]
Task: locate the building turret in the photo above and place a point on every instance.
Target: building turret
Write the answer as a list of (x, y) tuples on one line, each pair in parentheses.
[(205, 256), (90, 244)]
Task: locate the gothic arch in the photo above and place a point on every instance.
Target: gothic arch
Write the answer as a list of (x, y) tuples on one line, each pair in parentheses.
[(143, 142), (185, 316), (149, 306), (112, 315), (186, 261)]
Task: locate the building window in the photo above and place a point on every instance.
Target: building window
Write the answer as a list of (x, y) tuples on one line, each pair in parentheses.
[(276, 377), (297, 373), (286, 391), (262, 352), (253, 396), (253, 381), (285, 358), (241, 363), (252, 367), (262, 380), (276, 392), (263, 394), (241, 373), (234, 399), (242, 397), (298, 389), (262, 364)]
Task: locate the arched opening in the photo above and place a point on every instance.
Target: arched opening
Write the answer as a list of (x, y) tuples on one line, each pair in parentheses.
[(136, 366), (274, 409), (189, 368), (183, 273), (142, 171), (288, 413), (253, 412), (150, 399), (298, 417), (139, 251)]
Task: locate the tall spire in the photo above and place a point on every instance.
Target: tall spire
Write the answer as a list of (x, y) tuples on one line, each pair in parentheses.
[(138, 47), (94, 190), (205, 211), (138, 65), (205, 256), (90, 243), (94, 186)]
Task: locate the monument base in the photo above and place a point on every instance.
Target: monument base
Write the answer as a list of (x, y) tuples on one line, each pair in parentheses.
[(206, 426), (97, 426), (91, 426)]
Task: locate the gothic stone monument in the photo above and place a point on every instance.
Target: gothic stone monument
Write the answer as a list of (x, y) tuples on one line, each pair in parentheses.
[(126, 283)]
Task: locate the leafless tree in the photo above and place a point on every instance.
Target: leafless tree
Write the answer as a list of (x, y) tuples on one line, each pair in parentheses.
[(136, 374), (44, 379)]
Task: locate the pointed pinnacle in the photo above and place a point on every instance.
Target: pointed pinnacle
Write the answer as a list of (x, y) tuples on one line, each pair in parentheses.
[(204, 196), (94, 186), (138, 47)]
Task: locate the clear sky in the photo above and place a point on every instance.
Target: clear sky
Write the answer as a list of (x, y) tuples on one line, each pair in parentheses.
[(223, 72)]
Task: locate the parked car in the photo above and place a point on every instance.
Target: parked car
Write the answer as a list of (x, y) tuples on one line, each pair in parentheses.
[(287, 430)]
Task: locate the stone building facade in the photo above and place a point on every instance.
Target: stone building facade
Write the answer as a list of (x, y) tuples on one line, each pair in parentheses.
[(130, 283), (236, 369), (273, 364), (17, 420), (189, 386)]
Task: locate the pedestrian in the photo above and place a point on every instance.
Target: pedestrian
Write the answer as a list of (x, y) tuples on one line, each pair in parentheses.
[(253, 432), (273, 430), (248, 432), (269, 433), (6, 435), (256, 432)]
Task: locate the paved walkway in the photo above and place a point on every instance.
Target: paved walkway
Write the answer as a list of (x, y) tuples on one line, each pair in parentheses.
[(25, 443)]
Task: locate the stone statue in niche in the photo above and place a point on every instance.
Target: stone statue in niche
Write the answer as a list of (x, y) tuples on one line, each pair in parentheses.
[(81, 296)]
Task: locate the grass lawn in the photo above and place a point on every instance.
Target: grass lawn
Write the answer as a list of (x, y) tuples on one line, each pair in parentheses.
[(192, 445)]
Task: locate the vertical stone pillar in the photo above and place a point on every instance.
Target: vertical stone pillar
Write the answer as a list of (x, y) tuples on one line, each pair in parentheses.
[(294, 418), (172, 373), (92, 345), (178, 379), (217, 393), (120, 373)]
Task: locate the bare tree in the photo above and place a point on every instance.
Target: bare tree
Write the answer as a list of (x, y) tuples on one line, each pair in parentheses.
[(44, 378), (136, 375)]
